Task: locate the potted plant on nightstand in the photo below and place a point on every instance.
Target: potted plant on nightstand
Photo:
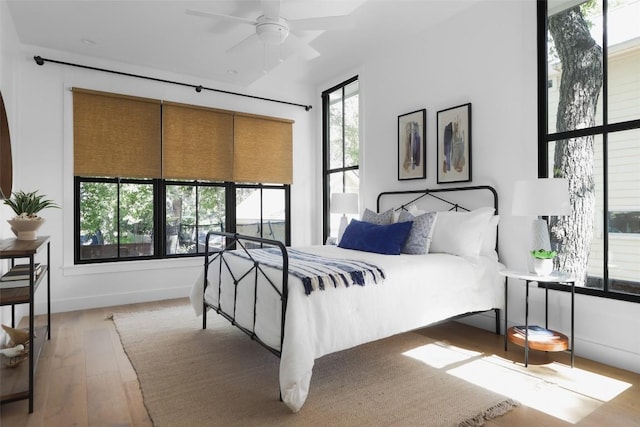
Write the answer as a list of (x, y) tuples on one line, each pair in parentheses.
[(26, 207), (543, 261)]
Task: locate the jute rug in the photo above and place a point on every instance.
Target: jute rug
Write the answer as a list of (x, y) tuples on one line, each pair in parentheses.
[(218, 376)]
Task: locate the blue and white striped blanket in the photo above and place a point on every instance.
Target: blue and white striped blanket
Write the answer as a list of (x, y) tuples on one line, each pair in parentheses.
[(318, 272)]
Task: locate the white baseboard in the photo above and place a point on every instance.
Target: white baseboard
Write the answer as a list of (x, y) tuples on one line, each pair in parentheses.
[(110, 300)]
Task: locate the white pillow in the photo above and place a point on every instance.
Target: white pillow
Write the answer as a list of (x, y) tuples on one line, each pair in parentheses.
[(488, 246), (396, 214), (412, 209), (461, 233)]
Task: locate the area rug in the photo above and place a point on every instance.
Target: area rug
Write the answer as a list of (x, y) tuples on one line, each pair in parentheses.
[(218, 376)]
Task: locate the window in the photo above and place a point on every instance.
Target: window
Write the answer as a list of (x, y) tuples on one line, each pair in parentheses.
[(589, 127), (192, 210), (260, 211), (341, 147), (117, 217), (152, 178)]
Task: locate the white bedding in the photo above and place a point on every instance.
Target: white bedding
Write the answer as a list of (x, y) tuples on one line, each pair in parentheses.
[(418, 290)]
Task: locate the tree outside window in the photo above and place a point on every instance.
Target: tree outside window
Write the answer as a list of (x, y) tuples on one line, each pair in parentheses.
[(592, 95)]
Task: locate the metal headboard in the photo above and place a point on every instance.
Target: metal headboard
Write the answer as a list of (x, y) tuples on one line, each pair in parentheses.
[(440, 195), (487, 193)]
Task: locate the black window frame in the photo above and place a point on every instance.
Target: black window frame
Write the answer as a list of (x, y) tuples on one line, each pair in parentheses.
[(545, 137), (162, 206), (326, 161), (159, 213)]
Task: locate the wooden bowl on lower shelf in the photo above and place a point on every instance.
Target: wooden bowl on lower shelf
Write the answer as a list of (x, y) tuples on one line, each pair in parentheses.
[(555, 342)]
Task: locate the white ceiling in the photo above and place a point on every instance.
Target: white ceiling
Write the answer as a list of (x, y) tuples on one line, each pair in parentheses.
[(159, 34)]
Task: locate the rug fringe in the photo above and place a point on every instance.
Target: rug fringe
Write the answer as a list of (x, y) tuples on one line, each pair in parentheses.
[(490, 413)]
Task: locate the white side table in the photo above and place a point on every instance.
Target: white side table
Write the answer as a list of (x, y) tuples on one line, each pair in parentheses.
[(553, 341)]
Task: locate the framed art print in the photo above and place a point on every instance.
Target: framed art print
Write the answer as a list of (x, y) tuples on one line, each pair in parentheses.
[(412, 145), (454, 144)]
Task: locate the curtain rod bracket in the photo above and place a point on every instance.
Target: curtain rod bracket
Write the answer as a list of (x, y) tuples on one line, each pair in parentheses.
[(40, 61)]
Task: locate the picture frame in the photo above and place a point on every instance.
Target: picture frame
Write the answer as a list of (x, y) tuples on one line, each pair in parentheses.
[(454, 144), (412, 145)]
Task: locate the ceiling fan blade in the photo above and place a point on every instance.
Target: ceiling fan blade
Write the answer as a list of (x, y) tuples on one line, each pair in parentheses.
[(271, 9), (301, 48), (244, 43), (220, 16), (323, 23)]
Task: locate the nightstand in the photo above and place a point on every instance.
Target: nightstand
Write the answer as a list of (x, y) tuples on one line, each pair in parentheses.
[(550, 340)]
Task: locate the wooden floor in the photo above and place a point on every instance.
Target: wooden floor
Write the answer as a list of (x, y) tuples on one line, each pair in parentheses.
[(84, 377)]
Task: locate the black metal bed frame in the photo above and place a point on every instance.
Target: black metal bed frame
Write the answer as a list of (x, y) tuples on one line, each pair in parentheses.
[(236, 241), (421, 194)]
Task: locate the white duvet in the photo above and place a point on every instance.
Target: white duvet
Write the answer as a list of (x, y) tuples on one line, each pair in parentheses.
[(418, 290)]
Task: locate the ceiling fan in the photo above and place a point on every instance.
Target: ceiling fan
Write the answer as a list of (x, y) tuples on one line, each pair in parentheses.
[(273, 29)]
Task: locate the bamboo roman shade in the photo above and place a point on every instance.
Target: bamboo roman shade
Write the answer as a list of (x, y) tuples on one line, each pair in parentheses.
[(263, 149), (129, 137), (197, 143), (116, 135)]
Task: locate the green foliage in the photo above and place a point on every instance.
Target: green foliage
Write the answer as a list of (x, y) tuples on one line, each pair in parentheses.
[(136, 209), (99, 201), (28, 204), (542, 254), (98, 209), (344, 133)]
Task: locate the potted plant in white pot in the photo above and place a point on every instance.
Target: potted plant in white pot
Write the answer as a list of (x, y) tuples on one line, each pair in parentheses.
[(543, 261), (26, 207)]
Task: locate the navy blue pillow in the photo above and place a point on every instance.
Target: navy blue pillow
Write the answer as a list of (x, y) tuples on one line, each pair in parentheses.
[(385, 239)]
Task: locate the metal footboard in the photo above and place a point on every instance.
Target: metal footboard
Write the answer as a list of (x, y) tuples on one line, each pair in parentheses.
[(235, 241)]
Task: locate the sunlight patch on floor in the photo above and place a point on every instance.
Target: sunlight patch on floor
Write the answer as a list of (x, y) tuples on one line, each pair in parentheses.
[(438, 355), (590, 384), (527, 389), (569, 394)]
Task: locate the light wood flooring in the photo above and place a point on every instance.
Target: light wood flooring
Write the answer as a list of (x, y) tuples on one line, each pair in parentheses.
[(84, 378)]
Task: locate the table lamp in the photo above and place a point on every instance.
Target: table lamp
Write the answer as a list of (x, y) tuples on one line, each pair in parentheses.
[(344, 203), (540, 197)]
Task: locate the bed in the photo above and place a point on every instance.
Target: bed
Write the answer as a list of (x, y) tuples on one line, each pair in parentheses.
[(301, 319)]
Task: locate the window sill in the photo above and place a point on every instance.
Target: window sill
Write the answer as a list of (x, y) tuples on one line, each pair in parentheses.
[(594, 292)]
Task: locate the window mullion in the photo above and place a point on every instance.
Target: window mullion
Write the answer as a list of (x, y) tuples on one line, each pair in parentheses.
[(344, 157), (119, 182), (605, 149), (160, 215)]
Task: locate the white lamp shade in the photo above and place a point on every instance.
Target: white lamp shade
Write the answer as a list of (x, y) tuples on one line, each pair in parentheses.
[(344, 203), (541, 197)]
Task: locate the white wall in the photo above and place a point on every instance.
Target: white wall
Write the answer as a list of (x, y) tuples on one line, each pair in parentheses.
[(486, 56)]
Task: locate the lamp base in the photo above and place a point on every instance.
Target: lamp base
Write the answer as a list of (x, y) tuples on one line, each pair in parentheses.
[(539, 240), (343, 226)]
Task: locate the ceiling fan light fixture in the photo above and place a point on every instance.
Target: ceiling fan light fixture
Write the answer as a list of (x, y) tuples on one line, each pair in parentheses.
[(272, 31)]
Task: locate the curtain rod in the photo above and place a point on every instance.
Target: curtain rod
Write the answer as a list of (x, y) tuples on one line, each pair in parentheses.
[(199, 88)]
